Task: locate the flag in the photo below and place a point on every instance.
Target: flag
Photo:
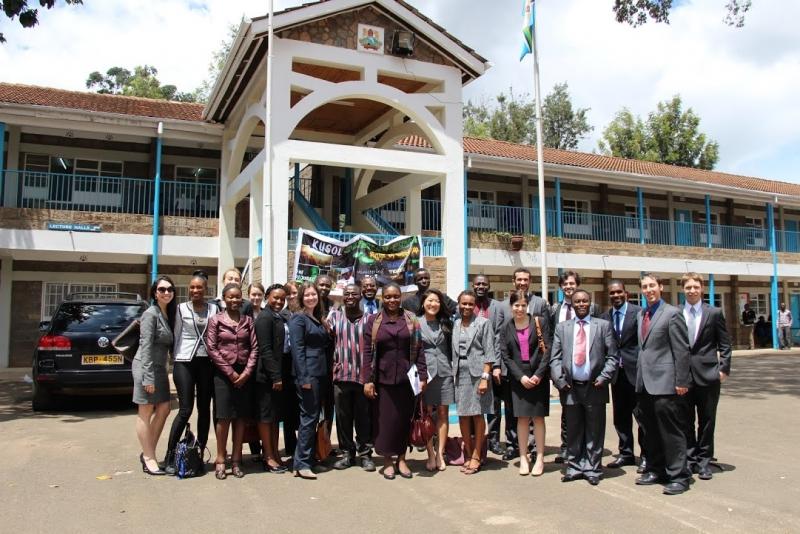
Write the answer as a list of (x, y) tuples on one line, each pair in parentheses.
[(527, 28)]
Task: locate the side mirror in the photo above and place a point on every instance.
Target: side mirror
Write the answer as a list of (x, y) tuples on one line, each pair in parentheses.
[(44, 326)]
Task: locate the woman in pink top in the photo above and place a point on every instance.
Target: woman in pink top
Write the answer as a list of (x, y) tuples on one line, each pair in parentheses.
[(232, 346), (526, 355)]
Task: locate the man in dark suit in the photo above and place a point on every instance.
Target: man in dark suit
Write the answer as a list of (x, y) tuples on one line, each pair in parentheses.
[(710, 351), (662, 381), (569, 282), (422, 279), (623, 318), (369, 303), (583, 362), (537, 306)]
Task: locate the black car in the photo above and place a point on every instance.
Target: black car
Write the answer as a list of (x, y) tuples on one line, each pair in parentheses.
[(75, 354)]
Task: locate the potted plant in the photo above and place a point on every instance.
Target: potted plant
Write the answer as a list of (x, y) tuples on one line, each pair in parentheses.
[(514, 241)]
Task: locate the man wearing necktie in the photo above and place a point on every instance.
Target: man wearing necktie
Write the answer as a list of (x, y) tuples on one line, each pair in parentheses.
[(710, 351), (569, 282), (583, 362), (662, 381), (623, 317), (369, 304)]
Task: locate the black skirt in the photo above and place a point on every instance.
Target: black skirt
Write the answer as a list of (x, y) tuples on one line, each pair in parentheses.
[(534, 402), (266, 402), (231, 402)]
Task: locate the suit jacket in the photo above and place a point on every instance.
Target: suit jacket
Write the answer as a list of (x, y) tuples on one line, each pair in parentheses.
[(393, 351), (495, 314), (271, 336), (310, 342), (155, 342), (433, 344), (712, 338), (602, 360), (363, 302), (512, 355), (663, 352), (555, 309), (480, 345), (628, 341)]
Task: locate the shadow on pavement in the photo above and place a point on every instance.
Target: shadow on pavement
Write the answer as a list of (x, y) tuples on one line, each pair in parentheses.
[(754, 376)]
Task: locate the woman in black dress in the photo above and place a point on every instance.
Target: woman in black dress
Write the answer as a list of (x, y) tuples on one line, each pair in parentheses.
[(387, 358), (525, 349)]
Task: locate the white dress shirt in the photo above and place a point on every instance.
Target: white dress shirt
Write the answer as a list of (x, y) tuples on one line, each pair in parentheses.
[(562, 311), (687, 314)]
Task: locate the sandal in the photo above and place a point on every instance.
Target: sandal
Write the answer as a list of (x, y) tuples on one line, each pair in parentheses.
[(237, 471), (219, 471), (472, 470)]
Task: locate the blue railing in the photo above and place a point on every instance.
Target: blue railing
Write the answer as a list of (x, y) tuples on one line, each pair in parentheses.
[(374, 216), (431, 246), (302, 192), (111, 194)]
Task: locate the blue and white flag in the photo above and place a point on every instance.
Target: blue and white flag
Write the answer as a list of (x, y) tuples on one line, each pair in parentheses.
[(527, 28)]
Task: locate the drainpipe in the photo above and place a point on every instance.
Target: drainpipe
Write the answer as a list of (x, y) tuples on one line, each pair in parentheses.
[(156, 203), (708, 244), (2, 162), (466, 225), (640, 213), (774, 288), (559, 227)]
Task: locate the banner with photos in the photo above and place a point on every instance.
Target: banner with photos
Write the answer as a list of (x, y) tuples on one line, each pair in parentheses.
[(349, 261)]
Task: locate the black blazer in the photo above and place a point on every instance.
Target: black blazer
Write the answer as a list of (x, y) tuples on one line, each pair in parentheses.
[(512, 356), (712, 338), (271, 336), (310, 341), (628, 342)]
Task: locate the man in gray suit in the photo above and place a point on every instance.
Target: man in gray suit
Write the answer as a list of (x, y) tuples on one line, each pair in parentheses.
[(583, 363), (710, 351), (369, 303), (537, 306), (662, 382)]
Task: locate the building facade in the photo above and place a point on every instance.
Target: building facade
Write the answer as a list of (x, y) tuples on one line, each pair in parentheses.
[(364, 102)]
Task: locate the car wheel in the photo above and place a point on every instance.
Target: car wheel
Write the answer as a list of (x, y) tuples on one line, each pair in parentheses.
[(42, 398)]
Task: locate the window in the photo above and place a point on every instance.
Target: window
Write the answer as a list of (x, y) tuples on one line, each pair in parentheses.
[(754, 222), (182, 292), (575, 211), (55, 292), (759, 303), (634, 298)]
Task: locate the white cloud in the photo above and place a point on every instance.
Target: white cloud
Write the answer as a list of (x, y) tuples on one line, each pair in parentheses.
[(741, 82)]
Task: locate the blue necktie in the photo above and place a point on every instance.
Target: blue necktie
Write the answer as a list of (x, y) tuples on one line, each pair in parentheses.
[(617, 322)]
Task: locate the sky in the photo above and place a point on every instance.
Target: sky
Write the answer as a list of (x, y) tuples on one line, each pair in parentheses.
[(741, 82)]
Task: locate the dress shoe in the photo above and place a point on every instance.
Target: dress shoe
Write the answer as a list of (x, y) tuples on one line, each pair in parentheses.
[(642, 467), (705, 474), (510, 454), (593, 480), (675, 488), (495, 448), (367, 464), (147, 470), (308, 474), (647, 479), (621, 462), (572, 477), (344, 462), (276, 469)]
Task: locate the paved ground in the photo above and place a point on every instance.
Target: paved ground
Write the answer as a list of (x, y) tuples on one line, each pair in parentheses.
[(77, 470)]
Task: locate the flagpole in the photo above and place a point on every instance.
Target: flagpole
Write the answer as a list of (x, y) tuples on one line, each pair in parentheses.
[(269, 268), (540, 160)]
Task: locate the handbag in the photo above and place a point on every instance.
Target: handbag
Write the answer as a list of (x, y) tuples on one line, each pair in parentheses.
[(189, 456), (323, 441), (127, 342), (422, 428)]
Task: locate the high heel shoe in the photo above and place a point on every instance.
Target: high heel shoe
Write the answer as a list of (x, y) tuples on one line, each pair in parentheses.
[(147, 470)]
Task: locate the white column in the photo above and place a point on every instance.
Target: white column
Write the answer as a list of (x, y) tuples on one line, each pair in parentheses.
[(414, 211), (12, 163), (453, 234), (278, 228), (227, 216), (6, 270), (256, 214), (526, 203)]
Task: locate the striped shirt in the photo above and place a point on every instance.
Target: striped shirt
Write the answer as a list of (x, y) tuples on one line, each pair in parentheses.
[(348, 352)]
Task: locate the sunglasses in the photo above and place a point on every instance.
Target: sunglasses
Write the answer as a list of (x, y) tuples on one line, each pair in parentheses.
[(163, 289)]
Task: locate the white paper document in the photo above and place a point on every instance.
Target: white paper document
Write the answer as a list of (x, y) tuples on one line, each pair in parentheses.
[(413, 377)]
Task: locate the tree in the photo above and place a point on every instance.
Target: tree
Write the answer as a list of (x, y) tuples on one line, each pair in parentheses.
[(142, 82), (637, 12), (513, 119), (670, 135), (218, 58), (28, 16)]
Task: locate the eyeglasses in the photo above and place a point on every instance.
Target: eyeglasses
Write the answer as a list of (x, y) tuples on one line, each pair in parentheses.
[(163, 289)]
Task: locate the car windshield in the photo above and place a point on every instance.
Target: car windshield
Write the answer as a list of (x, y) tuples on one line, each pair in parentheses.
[(80, 317)]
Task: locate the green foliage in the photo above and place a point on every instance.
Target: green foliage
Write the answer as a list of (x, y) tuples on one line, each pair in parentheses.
[(638, 12), (513, 119), (218, 58), (143, 82), (670, 135), (28, 16)]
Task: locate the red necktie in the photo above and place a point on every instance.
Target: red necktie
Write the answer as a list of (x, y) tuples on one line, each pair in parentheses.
[(645, 324), (580, 345)]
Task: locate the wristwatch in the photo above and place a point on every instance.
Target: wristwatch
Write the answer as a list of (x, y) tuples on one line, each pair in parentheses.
[(485, 376)]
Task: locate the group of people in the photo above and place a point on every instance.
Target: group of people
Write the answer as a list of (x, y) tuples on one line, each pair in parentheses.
[(289, 354), (759, 333)]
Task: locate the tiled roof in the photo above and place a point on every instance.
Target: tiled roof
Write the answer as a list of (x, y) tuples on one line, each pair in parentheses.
[(125, 105), (503, 149)]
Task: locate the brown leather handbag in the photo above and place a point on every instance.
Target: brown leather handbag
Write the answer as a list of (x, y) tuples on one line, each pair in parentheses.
[(323, 441), (422, 427)]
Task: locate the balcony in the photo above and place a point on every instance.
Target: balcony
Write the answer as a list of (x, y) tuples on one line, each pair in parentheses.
[(613, 228), (112, 194)]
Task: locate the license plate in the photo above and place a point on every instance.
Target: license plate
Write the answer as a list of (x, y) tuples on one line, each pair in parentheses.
[(102, 359)]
